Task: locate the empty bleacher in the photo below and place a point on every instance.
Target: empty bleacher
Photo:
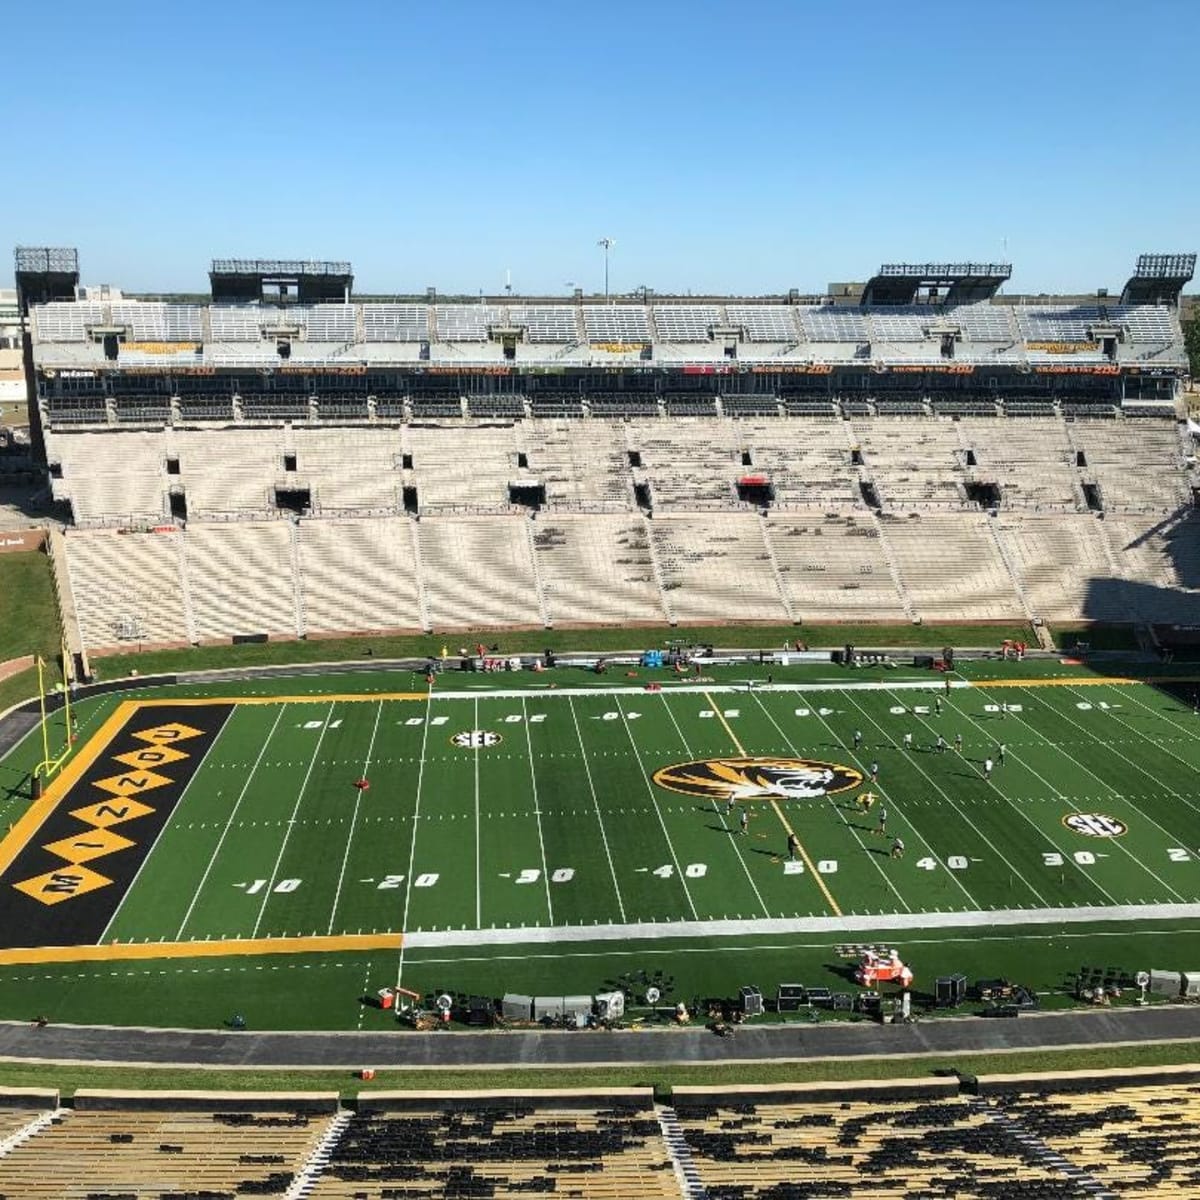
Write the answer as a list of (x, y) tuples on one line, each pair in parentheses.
[(894, 1149), (127, 587), (913, 463), (478, 571), (596, 568), (85, 1154), (466, 466), (1057, 559), (716, 571), (951, 566), (1131, 1141), (241, 578), (502, 1148), (358, 575), (1030, 459), (833, 567)]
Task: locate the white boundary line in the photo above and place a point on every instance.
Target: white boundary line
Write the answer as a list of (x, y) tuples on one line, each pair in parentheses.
[(699, 689), (596, 804), (337, 895), (913, 922)]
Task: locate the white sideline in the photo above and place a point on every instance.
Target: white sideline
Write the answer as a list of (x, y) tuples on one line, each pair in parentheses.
[(910, 922), (670, 689)]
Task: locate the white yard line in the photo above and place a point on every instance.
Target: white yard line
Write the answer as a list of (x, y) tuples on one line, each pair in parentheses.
[(720, 815), (337, 895), (312, 762), (1050, 787), (478, 838), (229, 823), (1115, 842), (787, 741), (412, 852), (537, 811), (833, 926), (641, 770), (179, 805), (1126, 695), (1192, 730), (1013, 872), (587, 770)]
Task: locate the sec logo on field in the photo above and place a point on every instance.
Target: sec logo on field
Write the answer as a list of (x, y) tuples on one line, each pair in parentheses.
[(1095, 825), (476, 739)]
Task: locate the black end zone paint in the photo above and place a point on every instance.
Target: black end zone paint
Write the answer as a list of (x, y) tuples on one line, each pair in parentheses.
[(68, 907)]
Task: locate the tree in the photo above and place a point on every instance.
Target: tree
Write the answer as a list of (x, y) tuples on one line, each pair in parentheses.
[(1191, 339)]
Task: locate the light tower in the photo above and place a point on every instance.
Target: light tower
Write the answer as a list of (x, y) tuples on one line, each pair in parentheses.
[(606, 244)]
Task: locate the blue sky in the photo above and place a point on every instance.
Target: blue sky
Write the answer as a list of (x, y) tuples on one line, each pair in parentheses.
[(730, 147)]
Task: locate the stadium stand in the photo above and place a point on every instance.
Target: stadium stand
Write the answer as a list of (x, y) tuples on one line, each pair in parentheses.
[(697, 460), (133, 1147), (597, 568), (596, 1147)]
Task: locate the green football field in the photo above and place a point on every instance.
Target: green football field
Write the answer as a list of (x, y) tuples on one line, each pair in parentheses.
[(608, 813)]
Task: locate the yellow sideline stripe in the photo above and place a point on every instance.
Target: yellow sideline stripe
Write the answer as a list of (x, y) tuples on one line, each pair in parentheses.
[(812, 869), (34, 816), (131, 951)]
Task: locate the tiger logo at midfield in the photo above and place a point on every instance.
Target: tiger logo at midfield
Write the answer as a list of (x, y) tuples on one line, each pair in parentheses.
[(757, 778)]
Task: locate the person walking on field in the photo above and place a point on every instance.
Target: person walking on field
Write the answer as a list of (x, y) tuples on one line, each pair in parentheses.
[(858, 739), (793, 847), (874, 771), (908, 741), (882, 830), (745, 822), (958, 742), (987, 768), (1000, 749)]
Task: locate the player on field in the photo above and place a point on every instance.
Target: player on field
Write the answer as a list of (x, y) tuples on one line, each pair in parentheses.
[(882, 830), (908, 740), (958, 743), (793, 847), (874, 771), (857, 739), (940, 744), (1000, 749), (897, 848), (866, 800), (745, 822), (987, 768)]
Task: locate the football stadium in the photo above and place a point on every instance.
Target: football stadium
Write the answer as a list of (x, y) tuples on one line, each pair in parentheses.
[(670, 739)]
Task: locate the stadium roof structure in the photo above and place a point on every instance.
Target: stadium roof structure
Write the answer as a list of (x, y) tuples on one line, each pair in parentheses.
[(1159, 278), (280, 280), (951, 283)]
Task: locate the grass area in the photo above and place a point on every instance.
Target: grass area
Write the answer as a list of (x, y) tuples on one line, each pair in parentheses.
[(493, 816), (524, 641), (662, 1077), (28, 608)]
